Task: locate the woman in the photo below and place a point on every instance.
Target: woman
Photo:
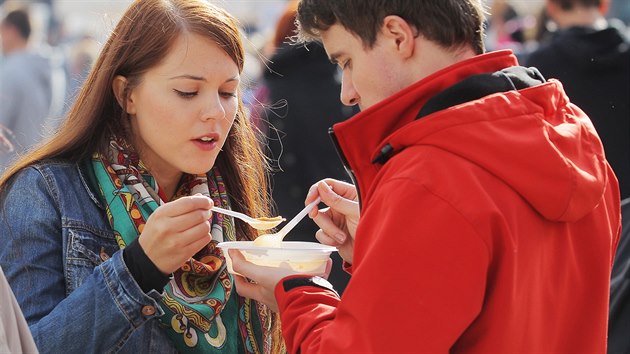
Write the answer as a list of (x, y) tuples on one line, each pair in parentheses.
[(118, 252)]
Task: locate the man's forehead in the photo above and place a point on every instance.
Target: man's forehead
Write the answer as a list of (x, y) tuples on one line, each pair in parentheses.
[(336, 41)]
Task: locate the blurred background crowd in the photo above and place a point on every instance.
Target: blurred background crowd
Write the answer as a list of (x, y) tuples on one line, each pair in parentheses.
[(292, 92)]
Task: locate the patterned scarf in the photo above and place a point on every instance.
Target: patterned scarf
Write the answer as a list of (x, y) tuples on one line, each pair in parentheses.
[(200, 289)]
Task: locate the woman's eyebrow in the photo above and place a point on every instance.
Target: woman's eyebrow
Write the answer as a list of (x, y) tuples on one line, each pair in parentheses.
[(199, 78), (188, 76)]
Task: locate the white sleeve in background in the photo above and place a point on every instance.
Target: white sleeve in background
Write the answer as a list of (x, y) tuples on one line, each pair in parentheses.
[(15, 337)]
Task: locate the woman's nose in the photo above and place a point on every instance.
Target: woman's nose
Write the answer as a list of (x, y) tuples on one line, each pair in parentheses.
[(213, 109)]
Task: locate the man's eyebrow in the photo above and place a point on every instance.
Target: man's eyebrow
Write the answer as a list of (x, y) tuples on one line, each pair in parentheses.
[(334, 58)]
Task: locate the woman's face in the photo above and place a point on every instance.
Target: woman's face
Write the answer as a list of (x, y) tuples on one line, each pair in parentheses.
[(182, 110)]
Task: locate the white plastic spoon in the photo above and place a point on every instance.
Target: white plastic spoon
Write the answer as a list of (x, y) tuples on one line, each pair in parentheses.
[(257, 223), (275, 239)]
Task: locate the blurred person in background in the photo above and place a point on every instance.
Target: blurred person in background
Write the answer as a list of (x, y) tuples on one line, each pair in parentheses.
[(505, 29), (15, 337), (591, 58), (303, 101), (620, 9), (80, 57), (483, 215), (27, 77), (107, 236), (619, 322), (590, 55)]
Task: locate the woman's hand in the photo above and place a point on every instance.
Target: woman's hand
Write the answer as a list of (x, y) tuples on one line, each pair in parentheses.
[(176, 231), (338, 223)]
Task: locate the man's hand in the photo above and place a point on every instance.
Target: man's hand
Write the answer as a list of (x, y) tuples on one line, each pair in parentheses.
[(338, 223), (263, 280)]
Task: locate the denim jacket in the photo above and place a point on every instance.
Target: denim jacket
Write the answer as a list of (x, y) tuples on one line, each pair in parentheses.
[(62, 261)]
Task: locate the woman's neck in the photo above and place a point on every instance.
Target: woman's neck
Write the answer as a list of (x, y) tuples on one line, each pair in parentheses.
[(167, 182)]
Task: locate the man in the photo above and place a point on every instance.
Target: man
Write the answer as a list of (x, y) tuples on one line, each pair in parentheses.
[(591, 57), (26, 83), (488, 214)]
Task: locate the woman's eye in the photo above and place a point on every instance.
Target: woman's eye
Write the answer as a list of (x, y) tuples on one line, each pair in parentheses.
[(185, 94), (228, 94)]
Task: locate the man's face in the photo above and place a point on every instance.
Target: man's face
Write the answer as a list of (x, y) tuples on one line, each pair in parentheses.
[(3, 37), (369, 74), (9, 38)]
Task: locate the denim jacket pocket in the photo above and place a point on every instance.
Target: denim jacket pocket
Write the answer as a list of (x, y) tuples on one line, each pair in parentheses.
[(86, 250)]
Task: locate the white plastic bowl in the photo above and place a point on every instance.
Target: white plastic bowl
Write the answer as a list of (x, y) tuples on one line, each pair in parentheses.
[(301, 257)]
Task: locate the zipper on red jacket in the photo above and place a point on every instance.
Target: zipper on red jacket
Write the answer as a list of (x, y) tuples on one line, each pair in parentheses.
[(344, 162)]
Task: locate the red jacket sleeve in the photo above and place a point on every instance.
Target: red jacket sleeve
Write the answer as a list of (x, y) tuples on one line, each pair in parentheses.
[(418, 281)]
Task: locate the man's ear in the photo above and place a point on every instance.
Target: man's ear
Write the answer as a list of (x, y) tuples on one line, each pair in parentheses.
[(123, 96), (401, 34)]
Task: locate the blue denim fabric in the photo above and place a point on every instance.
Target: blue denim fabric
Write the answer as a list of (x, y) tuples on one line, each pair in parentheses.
[(66, 270)]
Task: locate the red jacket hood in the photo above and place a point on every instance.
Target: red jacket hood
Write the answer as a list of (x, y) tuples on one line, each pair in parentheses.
[(549, 151)]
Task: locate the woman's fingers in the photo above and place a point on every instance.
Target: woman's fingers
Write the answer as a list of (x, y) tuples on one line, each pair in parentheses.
[(176, 231), (183, 222), (185, 205), (195, 233), (196, 245)]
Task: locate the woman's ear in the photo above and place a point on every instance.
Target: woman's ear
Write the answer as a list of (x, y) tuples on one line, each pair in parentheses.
[(401, 34), (119, 86)]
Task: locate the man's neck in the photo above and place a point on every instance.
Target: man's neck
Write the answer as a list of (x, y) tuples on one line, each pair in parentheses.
[(14, 48), (581, 17)]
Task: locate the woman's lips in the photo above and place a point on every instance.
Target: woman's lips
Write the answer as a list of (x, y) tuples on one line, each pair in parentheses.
[(205, 145)]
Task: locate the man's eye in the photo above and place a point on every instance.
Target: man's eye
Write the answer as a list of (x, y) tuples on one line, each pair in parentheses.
[(184, 94)]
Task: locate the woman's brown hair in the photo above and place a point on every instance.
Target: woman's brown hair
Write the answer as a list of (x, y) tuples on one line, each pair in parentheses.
[(141, 39)]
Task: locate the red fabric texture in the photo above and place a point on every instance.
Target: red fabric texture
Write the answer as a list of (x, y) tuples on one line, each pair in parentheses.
[(491, 229)]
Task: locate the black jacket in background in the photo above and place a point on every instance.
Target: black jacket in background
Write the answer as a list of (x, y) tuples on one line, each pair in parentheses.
[(619, 321), (594, 68), (304, 95)]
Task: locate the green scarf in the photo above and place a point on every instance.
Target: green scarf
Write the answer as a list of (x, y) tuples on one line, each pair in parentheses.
[(199, 292)]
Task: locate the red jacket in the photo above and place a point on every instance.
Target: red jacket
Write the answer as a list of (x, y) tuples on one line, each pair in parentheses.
[(490, 228)]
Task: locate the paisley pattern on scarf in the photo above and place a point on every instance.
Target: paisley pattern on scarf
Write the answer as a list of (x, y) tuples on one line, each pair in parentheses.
[(200, 289)]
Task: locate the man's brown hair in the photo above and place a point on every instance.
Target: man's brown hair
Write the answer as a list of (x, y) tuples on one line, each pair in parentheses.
[(450, 23), (570, 4), (19, 20)]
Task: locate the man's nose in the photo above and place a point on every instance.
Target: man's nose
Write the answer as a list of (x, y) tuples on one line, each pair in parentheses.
[(349, 96)]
